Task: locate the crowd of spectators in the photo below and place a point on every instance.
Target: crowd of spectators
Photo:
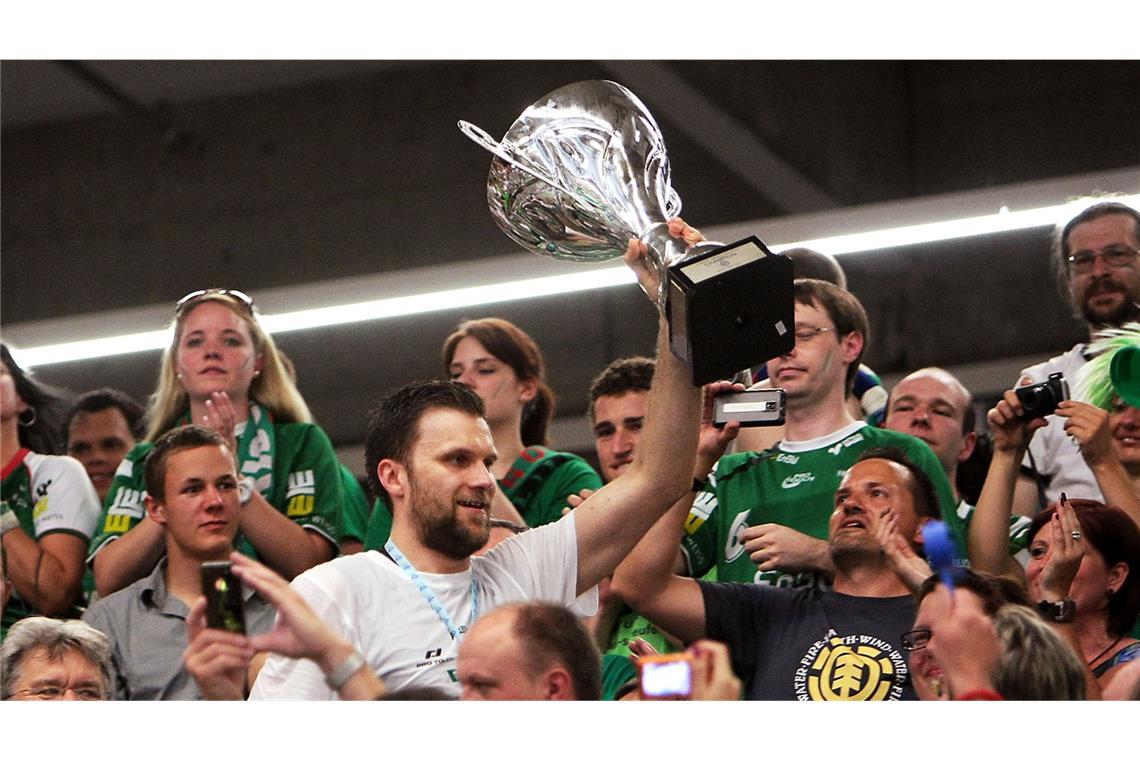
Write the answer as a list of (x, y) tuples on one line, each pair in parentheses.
[(702, 562)]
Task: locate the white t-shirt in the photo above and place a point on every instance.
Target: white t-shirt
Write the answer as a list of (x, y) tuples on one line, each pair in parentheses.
[(1056, 454), (369, 601)]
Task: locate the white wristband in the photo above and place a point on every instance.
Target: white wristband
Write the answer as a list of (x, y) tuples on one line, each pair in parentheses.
[(8, 521), (341, 673)]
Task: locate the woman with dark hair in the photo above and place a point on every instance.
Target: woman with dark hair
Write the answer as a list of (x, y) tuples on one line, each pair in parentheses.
[(1083, 565), (223, 371), (49, 510), (503, 365)]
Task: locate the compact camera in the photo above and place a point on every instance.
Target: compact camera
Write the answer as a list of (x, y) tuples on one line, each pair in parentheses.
[(764, 406), (1042, 398)]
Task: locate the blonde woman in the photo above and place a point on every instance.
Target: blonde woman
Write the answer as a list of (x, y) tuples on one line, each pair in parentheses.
[(223, 371)]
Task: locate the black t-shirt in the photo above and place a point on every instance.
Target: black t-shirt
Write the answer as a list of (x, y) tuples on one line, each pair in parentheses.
[(810, 645)]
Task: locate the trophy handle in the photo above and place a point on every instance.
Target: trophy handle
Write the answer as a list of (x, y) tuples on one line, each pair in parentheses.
[(518, 161)]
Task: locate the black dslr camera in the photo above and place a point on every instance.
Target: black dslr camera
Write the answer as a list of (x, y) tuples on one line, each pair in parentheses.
[(1042, 398)]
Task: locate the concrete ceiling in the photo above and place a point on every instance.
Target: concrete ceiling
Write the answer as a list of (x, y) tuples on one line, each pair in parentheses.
[(295, 179)]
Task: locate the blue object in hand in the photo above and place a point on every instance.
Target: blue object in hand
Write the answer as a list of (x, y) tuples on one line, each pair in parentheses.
[(939, 549)]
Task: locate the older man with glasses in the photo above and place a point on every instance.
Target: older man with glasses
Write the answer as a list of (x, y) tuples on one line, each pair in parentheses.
[(48, 659), (1095, 258)]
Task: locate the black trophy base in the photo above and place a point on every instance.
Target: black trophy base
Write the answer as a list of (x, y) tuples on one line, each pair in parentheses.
[(730, 308)]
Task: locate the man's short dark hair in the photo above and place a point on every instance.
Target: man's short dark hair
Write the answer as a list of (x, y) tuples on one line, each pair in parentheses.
[(813, 265), (549, 635), (634, 373), (844, 310), (107, 398), (172, 441), (921, 488), (1061, 252), (394, 423)]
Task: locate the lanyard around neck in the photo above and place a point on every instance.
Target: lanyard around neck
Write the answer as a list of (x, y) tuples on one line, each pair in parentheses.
[(429, 595)]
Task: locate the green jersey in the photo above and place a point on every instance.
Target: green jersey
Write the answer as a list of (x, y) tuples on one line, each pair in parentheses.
[(48, 494), (301, 479), (791, 484), (356, 506)]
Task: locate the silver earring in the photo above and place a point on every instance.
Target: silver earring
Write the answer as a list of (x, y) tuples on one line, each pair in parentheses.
[(27, 422)]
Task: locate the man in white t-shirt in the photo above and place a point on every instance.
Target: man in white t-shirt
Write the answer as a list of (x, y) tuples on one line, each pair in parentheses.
[(1095, 255), (406, 608)]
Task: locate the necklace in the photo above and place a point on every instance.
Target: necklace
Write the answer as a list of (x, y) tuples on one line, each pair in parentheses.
[(1106, 650)]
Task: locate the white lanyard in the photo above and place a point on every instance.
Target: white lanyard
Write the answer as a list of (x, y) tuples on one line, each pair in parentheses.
[(429, 595)]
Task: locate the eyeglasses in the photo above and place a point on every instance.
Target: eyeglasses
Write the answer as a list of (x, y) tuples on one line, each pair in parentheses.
[(1115, 256), (191, 298), (916, 639), (805, 334), (85, 693)]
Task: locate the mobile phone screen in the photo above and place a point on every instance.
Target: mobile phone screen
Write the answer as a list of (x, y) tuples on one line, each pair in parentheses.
[(225, 608), (667, 679)]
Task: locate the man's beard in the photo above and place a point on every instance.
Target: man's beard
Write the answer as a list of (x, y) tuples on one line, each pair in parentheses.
[(1127, 311), (441, 530)]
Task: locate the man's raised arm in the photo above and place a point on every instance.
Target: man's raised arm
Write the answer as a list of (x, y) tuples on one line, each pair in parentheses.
[(610, 523)]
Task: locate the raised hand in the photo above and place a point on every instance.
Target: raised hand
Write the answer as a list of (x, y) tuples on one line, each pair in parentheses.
[(1088, 426), (1065, 554), (1010, 431), (217, 660)]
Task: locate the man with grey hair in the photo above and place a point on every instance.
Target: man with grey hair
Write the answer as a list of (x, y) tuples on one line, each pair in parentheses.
[(1094, 255), (48, 659)]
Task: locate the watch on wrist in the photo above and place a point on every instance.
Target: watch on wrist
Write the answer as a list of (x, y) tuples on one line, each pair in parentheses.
[(1058, 612), (245, 488), (341, 673)]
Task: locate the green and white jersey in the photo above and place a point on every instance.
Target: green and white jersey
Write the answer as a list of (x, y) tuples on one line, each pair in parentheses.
[(791, 484), (540, 480), (299, 475), (1018, 528), (48, 494)]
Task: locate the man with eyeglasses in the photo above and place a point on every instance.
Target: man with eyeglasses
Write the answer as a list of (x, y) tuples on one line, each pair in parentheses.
[(1095, 255), (48, 659), (762, 517)]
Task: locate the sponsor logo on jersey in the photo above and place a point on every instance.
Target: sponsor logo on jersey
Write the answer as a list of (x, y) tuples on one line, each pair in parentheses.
[(300, 494), (850, 440), (798, 479), (734, 547), (301, 482), (42, 489), (432, 653), (788, 458), (699, 513), (856, 668)]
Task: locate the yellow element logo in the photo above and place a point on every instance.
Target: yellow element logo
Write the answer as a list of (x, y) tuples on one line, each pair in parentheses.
[(40, 507), (117, 523), (851, 668), (300, 505)]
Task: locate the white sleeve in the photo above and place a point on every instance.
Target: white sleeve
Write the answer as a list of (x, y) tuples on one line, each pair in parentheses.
[(64, 497), (544, 563), (287, 678)]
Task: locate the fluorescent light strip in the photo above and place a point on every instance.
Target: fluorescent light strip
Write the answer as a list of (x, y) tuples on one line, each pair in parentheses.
[(539, 287), (1003, 221), (382, 308)]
